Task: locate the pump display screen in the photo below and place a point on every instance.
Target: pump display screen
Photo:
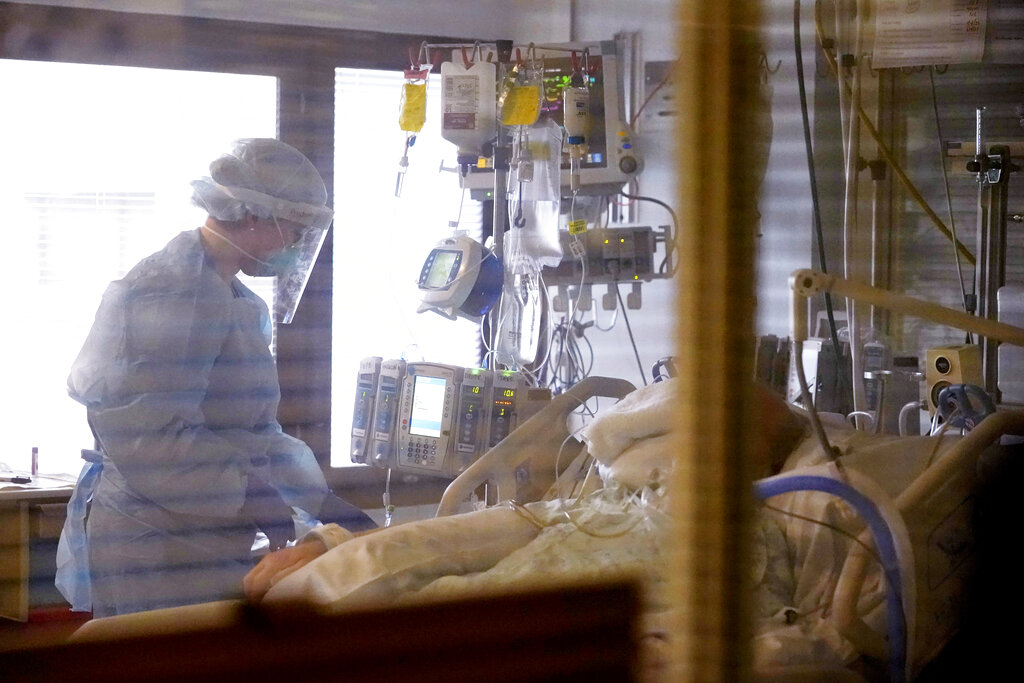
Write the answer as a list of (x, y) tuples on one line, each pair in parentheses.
[(442, 268), (427, 406)]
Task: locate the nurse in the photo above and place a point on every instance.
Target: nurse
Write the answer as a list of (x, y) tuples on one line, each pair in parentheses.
[(182, 393)]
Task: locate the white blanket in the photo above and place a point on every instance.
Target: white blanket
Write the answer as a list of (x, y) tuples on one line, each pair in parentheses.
[(647, 412)]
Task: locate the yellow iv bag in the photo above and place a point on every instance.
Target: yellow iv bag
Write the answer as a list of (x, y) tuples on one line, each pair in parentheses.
[(414, 107), (521, 106)]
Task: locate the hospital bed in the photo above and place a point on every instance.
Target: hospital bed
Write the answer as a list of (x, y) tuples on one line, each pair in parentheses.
[(833, 611)]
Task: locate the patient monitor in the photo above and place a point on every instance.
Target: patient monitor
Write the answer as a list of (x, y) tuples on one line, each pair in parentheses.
[(505, 405), (362, 412), (425, 416), (471, 431), (436, 419), (389, 386)]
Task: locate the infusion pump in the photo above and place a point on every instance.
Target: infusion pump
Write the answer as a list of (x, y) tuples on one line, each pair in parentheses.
[(435, 419)]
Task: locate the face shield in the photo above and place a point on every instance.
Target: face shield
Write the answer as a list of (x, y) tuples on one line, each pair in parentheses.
[(267, 178), (292, 279), (294, 263)]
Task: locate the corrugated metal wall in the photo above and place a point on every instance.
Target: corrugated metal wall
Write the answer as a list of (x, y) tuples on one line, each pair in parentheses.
[(924, 260), (913, 256)]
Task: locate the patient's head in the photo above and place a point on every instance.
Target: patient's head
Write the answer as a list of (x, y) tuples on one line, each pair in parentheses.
[(780, 430), (650, 460)]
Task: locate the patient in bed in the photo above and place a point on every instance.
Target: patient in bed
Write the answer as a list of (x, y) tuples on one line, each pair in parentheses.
[(622, 529), (614, 531), (618, 530)]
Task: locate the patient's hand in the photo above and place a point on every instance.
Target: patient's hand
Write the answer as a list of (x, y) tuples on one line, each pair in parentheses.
[(279, 564)]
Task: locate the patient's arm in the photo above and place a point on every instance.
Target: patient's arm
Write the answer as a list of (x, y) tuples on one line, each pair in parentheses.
[(279, 564)]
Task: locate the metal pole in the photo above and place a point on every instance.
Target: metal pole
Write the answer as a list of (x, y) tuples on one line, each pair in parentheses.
[(499, 211), (991, 271)]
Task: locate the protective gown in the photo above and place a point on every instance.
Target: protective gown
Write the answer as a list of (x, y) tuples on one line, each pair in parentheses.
[(182, 394)]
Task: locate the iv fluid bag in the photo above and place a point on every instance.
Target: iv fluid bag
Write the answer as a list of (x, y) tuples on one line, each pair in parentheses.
[(519, 329), (535, 203), (576, 113), (413, 112), (468, 105)]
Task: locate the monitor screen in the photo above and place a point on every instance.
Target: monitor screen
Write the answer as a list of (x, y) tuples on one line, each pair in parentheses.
[(442, 269), (427, 406)]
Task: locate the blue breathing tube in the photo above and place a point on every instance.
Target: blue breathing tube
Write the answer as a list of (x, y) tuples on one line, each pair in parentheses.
[(884, 542)]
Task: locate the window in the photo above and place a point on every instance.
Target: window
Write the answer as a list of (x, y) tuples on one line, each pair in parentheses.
[(380, 240), (191, 86), (97, 161)]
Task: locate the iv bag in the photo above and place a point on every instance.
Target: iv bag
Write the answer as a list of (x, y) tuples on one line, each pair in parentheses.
[(521, 315), (535, 198), (468, 117), (413, 113)]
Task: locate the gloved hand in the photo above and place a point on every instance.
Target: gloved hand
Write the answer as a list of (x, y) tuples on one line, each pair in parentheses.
[(267, 510), (337, 511)]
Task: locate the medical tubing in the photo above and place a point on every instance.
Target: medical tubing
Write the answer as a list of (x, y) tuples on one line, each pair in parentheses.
[(550, 332), (625, 316), (654, 91), (850, 219), (938, 439), (845, 111), (945, 185), (615, 318), (884, 543), (813, 177), (812, 412), (904, 411), (831, 527), (852, 417), (575, 303), (561, 447)]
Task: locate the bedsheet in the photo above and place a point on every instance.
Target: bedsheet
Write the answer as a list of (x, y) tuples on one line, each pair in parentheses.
[(616, 532), (820, 549)]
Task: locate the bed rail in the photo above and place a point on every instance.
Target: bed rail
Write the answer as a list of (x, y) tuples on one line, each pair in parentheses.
[(528, 454), (937, 508)]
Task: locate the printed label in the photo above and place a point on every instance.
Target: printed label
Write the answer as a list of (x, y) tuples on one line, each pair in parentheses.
[(459, 121), (577, 226)]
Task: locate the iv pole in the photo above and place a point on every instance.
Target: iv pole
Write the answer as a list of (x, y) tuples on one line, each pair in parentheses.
[(992, 170), (499, 211)]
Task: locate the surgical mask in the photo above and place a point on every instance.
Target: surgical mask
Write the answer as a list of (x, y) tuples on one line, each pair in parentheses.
[(291, 265), (278, 263), (282, 261)]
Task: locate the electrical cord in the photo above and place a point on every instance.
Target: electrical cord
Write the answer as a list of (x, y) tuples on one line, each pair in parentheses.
[(815, 203), (625, 316)]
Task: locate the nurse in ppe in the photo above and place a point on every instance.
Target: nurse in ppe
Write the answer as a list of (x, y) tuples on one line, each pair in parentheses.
[(182, 393)]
